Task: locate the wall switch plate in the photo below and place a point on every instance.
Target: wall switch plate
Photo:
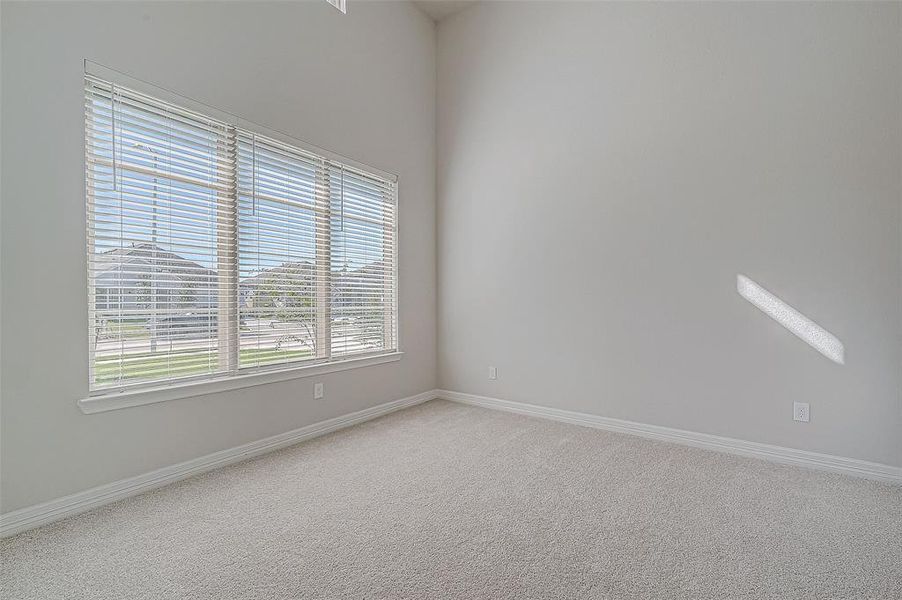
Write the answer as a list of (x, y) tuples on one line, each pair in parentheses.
[(800, 411), (493, 373), (317, 391)]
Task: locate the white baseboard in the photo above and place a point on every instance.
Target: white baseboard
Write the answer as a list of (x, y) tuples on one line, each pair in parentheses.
[(54, 510), (67, 506), (777, 454)]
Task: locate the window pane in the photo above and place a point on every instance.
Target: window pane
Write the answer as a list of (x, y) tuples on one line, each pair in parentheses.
[(362, 263), (277, 254), (155, 179)]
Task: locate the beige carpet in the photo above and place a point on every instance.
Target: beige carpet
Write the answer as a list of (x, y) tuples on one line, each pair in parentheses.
[(449, 501)]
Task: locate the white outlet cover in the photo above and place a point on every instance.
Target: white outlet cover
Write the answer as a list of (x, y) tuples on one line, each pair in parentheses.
[(801, 411), (317, 391)]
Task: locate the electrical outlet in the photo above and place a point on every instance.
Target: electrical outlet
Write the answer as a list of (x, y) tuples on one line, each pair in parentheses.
[(493, 373), (800, 411), (317, 391)]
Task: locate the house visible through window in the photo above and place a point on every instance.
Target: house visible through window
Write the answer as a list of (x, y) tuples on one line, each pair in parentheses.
[(214, 250)]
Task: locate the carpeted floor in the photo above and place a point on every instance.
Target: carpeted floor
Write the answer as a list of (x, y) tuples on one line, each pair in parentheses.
[(449, 501)]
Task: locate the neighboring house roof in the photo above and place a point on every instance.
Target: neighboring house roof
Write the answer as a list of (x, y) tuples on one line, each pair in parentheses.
[(146, 256), (289, 270), (119, 267)]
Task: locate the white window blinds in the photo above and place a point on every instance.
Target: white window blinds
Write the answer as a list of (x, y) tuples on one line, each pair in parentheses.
[(280, 203), (214, 250), (362, 227)]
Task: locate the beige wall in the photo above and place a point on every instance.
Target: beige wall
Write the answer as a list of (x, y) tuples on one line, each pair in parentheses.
[(605, 172), (360, 84)]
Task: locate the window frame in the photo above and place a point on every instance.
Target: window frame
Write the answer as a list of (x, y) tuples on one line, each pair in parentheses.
[(234, 377)]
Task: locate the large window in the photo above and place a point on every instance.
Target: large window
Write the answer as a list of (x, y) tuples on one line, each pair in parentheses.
[(215, 250)]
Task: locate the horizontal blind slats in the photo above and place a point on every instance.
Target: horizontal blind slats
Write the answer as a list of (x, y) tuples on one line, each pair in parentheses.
[(158, 189), (208, 241)]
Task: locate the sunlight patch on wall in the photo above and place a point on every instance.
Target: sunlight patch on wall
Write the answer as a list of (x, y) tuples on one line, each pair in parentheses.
[(804, 328)]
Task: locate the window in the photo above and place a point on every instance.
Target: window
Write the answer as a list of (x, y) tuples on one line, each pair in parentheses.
[(215, 250)]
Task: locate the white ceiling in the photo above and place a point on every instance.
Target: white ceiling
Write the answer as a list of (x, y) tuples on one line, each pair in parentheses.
[(439, 9)]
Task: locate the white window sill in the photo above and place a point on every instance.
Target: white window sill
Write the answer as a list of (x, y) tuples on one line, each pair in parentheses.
[(138, 397)]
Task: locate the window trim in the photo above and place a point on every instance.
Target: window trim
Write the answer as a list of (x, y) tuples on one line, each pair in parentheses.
[(129, 397), (101, 400)]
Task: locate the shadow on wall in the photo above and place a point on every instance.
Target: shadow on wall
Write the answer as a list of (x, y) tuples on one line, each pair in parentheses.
[(804, 328)]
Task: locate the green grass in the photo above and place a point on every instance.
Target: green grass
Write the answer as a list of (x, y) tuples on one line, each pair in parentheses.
[(147, 365)]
